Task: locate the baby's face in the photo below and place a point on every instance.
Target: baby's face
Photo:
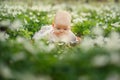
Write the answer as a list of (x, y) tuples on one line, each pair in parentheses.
[(60, 30)]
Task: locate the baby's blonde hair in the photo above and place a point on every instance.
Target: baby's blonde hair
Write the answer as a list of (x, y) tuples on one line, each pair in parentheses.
[(63, 18)]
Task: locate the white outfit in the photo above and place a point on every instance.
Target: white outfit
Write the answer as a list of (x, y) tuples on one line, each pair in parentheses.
[(46, 32)]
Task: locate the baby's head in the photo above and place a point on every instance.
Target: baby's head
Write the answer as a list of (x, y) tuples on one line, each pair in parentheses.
[(62, 22)]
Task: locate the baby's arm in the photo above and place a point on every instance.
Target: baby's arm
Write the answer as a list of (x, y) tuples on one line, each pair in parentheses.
[(74, 39), (78, 39)]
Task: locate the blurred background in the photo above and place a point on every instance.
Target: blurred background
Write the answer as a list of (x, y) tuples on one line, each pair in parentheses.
[(64, 1)]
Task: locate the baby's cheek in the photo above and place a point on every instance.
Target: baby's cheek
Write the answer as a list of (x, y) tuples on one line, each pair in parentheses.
[(66, 32)]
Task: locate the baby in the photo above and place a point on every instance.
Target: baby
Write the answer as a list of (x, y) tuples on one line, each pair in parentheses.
[(59, 31)]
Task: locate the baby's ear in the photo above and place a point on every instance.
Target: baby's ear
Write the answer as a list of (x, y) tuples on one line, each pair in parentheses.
[(52, 24)]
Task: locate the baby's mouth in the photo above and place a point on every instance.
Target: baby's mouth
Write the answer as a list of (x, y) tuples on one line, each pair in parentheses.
[(59, 34)]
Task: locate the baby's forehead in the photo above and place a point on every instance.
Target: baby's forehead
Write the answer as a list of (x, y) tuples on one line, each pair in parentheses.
[(62, 18), (62, 15), (62, 26)]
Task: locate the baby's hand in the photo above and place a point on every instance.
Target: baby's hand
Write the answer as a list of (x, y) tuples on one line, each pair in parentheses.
[(78, 39)]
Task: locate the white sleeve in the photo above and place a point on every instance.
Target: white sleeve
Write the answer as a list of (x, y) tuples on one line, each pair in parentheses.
[(72, 36), (42, 33)]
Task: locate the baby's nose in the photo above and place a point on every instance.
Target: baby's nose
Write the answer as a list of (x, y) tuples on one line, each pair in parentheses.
[(61, 30)]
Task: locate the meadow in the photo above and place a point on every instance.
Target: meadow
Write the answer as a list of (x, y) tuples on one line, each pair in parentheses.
[(96, 57)]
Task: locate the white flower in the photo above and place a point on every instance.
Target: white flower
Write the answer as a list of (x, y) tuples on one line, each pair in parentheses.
[(41, 46), (32, 17), (4, 14), (100, 60), (104, 27), (114, 15), (85, 77), (49, 15), (112, 43), (59, 7), (14, 13), (97, 31), (20, 39), (3, 36), (100, 41), (16, 25), (36, 20), (25, 21), (79, 20), (31, 13), (85, 14), (29, 47), (5, 71), (115, 36), (36, 8), (18, 56), (28, 76), (38, 14), (5, 23), (115, 58), (113, 76), (87, 43), (74, 14), (117, 24)]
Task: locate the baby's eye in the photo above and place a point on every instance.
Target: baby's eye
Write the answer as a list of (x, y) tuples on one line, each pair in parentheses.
[(58, 28), (65, 29)]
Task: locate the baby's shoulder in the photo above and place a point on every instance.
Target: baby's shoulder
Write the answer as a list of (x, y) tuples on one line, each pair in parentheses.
[(44, 31), (46, 27)]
